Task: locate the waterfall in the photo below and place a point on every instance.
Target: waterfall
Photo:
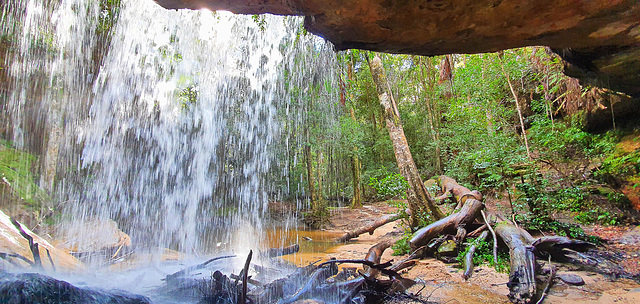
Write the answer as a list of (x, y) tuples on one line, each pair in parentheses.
[(178, 125)]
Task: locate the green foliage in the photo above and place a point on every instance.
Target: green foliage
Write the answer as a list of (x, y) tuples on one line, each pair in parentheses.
[(260, 21), (392, 185), (15, 172), (109, 11), (402, 246), (188, 96), (484, 255)]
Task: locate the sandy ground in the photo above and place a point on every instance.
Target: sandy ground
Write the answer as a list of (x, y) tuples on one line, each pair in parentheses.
[(442, 283)]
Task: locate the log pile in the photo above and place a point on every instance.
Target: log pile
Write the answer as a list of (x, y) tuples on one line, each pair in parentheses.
[(321, 282), (524, 249)]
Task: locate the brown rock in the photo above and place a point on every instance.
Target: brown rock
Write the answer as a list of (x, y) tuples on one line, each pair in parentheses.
[(599, 39), (11, 242), (95, 236)]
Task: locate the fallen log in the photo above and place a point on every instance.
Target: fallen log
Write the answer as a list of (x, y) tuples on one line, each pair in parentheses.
[(183, 272), (468, 257), (460, 193), (368, 228), (448, 225), (276, 252), (375, 254), (522, 283)]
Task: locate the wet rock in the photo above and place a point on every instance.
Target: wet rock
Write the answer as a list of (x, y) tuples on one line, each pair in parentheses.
[(448, 251), (12, 243), (571, 279), (38, 288), (95, 237)]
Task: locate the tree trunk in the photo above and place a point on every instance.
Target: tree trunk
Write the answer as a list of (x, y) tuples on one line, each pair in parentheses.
[(430, 113), (310, 179), (356, 202), (522, 282), (515, 96), (370, 228), (416, 193)]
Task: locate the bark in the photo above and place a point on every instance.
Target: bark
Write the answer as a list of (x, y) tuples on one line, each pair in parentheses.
[(522, 283), (417, 196), (460, 193), (435, 136), (310, 178), (276, 252), (368, 228), (448, 225), (356, 202), (468, 257)]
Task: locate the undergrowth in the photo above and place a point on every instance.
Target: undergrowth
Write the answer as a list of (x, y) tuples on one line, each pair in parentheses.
[(15, 172), (484, 255)]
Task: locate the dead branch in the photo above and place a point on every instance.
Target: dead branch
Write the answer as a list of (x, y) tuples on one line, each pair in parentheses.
[(495, 239), (447, 225), (460, 193), (6, 256), (276, 252), (245, 274), (53, 266), (375, 254), (190, 269), (468, 257), (522, 283), (369, 228), (35, 251), (552, 276)]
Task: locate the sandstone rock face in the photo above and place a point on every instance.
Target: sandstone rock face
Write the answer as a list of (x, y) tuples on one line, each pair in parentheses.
[(11, 242), (600, 39)]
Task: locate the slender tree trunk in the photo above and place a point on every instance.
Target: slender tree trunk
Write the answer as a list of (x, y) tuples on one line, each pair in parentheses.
[(417, 195), (356, 202), (515, 96), (310, 178), (320, 176), (431, 116)]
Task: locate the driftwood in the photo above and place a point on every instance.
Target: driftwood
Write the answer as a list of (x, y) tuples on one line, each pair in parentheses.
[(452, 224), (368, 228), (276, 252)]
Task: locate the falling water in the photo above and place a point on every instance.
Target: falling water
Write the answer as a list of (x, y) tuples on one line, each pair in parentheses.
[(167, 122)]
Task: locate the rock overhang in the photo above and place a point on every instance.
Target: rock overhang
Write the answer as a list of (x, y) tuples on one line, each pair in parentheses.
[(600, 40)]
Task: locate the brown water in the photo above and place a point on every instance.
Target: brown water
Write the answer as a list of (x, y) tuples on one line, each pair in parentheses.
[(314, 244)]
